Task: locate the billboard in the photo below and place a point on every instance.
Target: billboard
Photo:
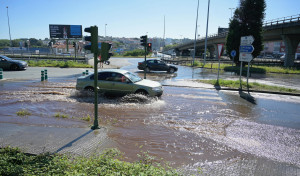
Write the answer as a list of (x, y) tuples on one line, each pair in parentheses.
[(65, 31)]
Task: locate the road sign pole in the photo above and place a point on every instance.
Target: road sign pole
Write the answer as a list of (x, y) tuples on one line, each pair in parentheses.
[(241, 75), (248, 76), (218, 72)]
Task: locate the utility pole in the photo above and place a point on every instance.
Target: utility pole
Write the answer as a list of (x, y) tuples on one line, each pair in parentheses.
[(9, 27)]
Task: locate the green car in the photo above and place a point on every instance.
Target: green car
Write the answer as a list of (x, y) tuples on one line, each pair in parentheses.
[(119, 82)]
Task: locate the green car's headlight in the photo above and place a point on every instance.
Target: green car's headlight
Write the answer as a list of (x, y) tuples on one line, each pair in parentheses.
[(157, 88)]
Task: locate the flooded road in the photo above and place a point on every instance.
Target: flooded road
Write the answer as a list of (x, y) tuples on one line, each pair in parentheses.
[(192, 128)]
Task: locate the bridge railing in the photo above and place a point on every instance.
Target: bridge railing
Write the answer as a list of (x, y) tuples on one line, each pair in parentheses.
[(283, 20), (274, 22), (214, 35)]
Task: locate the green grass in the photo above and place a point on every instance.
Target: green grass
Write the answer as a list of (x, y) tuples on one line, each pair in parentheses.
[(15, 162), (252, 86), (87, 118), (58, 115), (23, 113), (253, 69), (61, 64)]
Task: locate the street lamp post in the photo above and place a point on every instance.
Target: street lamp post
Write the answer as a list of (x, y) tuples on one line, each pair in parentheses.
[(195, 34), (105, 31), (9, 27), (231, 11), (206, 33)]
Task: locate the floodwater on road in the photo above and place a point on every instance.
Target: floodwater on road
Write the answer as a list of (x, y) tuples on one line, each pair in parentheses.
[(189, 127), (192, 128)]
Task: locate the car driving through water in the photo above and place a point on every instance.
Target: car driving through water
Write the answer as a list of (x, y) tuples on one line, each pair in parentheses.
[(119, 82), (7, 63)]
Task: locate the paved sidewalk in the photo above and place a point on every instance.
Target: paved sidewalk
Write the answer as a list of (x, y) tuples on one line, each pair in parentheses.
[(41, 139)]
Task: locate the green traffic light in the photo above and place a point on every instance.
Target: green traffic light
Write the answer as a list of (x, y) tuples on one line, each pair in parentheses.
[(93, 39), (105, 54)]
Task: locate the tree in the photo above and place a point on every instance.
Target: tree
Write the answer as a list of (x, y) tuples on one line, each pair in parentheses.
[(247, 20)]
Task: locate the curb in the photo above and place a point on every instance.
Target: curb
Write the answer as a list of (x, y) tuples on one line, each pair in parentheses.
[(238, 90)]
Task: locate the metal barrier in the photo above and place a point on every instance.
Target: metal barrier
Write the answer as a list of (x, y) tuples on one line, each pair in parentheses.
[(274, 22), (283, 20)]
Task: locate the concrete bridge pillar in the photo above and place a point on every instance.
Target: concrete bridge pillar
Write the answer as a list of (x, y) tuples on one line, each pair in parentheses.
[(291, 43), (212, 50), (216, 51)]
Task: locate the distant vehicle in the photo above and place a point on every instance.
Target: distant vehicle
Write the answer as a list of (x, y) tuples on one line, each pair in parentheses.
[(7, 63), (156, 65), (120, 82), (269, 57), (297, 56)]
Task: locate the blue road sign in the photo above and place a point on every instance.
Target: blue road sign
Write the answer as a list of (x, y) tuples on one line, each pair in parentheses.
[(246, 49), (233, 53)]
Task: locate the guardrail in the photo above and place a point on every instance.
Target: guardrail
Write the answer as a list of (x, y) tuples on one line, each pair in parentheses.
[(277, 21), (283, 20)]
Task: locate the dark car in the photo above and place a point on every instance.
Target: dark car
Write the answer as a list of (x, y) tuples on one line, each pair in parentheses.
[(7, 63), (156, 65)]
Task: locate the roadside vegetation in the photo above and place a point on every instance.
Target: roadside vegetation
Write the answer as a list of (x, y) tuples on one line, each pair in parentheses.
[(15, 162), (263, 69), (61, 64), (23, 112), (252, 86), (135, 53)]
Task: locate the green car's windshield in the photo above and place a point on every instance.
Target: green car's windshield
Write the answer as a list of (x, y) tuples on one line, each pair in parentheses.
[(134, 78)]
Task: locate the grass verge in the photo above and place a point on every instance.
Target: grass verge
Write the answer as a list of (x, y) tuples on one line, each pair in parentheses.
[(252, 86), (253, 68), (15, 162), (61, 64)]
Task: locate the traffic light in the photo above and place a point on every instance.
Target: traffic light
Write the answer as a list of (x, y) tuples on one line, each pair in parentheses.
[(144, 40), (74, 44), (105, 51), (93, 39), (149, 47)]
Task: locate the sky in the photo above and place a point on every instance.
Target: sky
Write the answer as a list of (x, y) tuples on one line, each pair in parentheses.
[(127, 18)]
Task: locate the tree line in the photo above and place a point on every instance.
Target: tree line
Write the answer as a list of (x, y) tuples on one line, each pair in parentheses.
[(5, 43)]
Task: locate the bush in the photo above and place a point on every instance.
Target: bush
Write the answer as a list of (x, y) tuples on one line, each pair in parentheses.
[(14, 162), (61, 64), (137, 52)]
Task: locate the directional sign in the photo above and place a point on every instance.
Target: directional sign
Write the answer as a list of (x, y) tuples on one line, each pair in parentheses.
[(233, 53), (245, 57), (246, 49), (247, 40)]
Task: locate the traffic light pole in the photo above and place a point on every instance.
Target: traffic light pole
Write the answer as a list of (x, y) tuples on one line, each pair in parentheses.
[(75, 52), (96, 124), (94, 49), (145, 62)]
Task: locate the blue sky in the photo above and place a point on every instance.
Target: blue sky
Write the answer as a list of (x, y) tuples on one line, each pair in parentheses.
[(126, 18)]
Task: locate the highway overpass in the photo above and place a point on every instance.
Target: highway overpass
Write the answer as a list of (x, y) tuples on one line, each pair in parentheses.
[(286, 29)]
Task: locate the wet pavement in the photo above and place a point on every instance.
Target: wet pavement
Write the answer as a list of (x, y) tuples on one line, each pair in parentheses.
[(191, 127)]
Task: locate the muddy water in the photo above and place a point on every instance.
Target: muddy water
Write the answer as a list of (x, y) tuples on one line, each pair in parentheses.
[(191, 128)]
